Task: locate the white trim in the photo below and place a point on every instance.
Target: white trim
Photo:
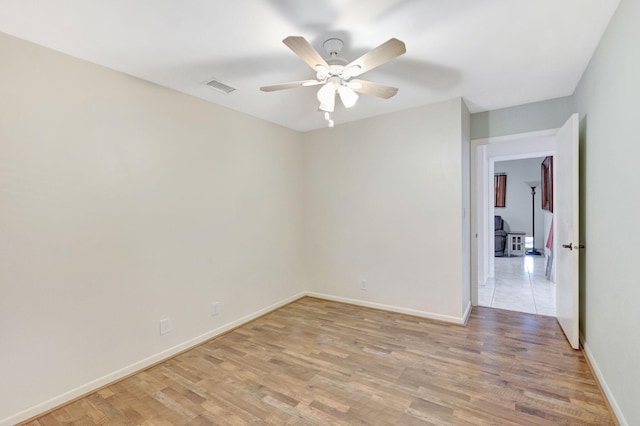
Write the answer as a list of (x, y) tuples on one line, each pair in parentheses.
[(139, 366), (484, 153), (390, 308), (603, 383), (515, 137)]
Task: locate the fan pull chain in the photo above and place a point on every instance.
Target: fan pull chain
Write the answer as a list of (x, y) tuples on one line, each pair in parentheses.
[(327, 116)]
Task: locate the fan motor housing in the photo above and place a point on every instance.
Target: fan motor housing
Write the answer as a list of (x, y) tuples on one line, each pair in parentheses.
[(333, 46)]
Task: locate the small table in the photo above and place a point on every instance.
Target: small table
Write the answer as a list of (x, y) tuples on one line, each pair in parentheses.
[(515, 243)]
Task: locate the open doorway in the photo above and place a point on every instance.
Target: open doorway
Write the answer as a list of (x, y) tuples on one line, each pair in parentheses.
[(521, 280), (511, 280)]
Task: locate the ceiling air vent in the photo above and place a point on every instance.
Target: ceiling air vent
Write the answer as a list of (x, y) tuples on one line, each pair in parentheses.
[(220, 87)]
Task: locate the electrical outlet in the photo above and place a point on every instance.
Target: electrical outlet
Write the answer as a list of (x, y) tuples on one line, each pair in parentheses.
[(215, 308), (363, 285), (165, 326)]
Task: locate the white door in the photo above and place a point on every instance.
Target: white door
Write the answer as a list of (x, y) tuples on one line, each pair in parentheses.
[(565, 209)]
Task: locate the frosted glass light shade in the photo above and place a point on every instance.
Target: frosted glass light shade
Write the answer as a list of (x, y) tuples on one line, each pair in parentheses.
[(348, 96), (327, 97)]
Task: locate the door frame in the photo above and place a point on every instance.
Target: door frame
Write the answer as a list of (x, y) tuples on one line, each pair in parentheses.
[(484, 153)]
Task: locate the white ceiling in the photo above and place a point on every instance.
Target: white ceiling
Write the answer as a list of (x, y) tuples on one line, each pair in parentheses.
[(493, 53)]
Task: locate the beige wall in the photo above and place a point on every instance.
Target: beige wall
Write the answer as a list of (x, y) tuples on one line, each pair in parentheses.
[(383, 204), (122, 203), (543, 115)]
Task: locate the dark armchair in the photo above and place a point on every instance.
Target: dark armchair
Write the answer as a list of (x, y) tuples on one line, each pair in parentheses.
[(501, 236)]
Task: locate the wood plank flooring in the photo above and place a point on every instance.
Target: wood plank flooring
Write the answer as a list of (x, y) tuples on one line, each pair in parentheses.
[(318, 362)]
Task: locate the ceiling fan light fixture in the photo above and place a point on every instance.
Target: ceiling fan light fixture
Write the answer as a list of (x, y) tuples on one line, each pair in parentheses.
[(335, 73), (351, 71), (326, 108), (347, 96), (322, 72), (327, 96)]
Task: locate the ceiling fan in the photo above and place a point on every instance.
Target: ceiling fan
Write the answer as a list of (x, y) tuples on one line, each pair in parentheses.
[(336, 75)]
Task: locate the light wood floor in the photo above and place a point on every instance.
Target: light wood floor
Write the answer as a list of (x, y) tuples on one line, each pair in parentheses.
[(319, 362)]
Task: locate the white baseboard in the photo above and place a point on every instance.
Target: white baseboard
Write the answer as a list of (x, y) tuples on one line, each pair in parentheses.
[(467, 312), (408, 311), (138, 366), (603, 383)]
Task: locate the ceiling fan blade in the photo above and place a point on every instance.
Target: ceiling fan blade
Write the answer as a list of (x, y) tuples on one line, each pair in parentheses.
[(305, 51), (387, 51), (290, 85), (375, 89)]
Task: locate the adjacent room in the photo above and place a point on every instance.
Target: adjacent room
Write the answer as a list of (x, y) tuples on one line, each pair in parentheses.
[(283, 212)]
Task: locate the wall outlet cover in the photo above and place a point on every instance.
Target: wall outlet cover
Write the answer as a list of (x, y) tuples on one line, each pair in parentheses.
[(165, 326)]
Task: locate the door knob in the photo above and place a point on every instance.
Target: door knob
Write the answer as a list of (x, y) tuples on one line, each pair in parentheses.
[(571, 246)]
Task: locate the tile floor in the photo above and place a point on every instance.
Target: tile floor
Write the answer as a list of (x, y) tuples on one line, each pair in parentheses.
[(519, 285)]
